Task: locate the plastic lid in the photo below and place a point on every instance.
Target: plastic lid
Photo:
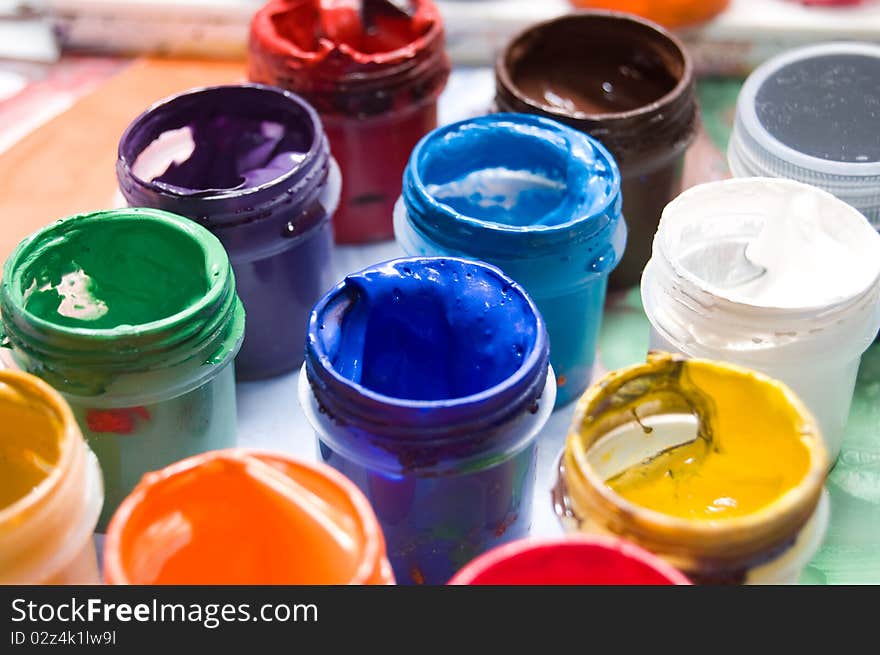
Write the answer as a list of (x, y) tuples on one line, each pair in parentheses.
[(811, 115)]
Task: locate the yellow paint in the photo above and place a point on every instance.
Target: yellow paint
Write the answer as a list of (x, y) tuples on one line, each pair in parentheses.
[(754, 452), (31, 431)]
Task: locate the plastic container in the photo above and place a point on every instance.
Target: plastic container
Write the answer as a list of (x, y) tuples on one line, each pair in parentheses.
[(427, 382), (715, 468), (132, 315), (251, 164), (374, 79), (806, 322), (671, 13), (594, 560), (286, 521), (537, 199), (628, 83), (50, 488), (810, 114)]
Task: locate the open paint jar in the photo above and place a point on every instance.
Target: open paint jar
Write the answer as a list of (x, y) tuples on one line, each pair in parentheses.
[(773, 275), (427, 382), (671, 13), (585, 560), (535, 198), (374, 77), (811, 114), (251, 164), (628, 83), (50, 488), (245, 517), (132, 315), (715, 468)]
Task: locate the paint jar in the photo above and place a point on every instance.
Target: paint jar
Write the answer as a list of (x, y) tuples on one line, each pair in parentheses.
[(584, 560), (132, 315), (713, 467), (537, 199), (50, 488), (250, 163), (427, 382), (810, 114), (671, 13), (628, 83), (373, 76), (773, 275), (286, 521)]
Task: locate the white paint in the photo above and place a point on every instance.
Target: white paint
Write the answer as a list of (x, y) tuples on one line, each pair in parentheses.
[(814, 250)]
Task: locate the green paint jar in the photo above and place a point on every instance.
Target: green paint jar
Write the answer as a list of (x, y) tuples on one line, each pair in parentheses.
[(132, 315)]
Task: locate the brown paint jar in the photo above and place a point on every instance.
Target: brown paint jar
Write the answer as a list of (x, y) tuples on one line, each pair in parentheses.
[(628, 83)]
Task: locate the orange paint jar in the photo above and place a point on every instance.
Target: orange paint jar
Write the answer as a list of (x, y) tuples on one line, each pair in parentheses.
[(51, 490), (669, 13), (245, 517)]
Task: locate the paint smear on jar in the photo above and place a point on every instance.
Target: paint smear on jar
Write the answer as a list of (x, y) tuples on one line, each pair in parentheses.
[(30, 435), (794, 249), (103, 276), (748, 449)]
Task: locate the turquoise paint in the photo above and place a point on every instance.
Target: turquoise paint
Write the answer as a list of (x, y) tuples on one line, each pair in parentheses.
[(537, 199)]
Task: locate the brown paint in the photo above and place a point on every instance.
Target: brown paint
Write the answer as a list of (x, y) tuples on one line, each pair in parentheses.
[(624, 81)]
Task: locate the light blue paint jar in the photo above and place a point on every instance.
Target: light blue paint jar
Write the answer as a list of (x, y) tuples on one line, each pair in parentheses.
[(535, 198)]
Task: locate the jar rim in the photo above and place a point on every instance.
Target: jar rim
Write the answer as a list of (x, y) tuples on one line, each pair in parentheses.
[(420, 202), (216, 263), (126, 158), (533, 364), (373, 549), (739, 536), (502, 65)]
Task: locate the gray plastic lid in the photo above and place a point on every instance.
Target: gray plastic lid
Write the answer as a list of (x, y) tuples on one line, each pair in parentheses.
[(812, 114)]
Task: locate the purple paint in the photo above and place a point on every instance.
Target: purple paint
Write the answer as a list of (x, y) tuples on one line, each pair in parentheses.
[(252, 164)]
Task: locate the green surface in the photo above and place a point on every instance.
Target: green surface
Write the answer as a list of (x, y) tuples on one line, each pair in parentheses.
[(850, 553)]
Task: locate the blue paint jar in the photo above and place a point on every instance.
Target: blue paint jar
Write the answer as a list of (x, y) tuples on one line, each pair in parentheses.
[(427, 381), (537, 199)]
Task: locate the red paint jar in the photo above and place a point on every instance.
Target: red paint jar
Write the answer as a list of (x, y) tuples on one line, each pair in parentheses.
[(595, 560), (375, 86)]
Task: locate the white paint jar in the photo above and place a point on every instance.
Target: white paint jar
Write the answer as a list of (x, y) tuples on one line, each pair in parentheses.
[(806, 320)]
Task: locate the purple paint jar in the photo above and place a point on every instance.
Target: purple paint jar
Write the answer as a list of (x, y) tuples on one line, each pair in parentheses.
[(427, 381), (252, 164)]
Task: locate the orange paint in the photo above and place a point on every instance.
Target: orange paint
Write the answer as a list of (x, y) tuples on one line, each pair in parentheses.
[(671, 13), (245, 517)]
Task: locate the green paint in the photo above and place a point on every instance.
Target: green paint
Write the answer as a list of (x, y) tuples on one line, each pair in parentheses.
[(718, 107), (103, 274)]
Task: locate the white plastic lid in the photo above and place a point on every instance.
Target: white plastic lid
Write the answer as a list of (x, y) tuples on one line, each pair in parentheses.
[(812, 114)]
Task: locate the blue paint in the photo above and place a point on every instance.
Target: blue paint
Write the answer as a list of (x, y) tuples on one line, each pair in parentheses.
[(537, 199), (429, 374)]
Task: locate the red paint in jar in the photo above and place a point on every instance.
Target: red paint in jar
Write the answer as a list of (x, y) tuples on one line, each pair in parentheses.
[(593, 560), (374, 77)]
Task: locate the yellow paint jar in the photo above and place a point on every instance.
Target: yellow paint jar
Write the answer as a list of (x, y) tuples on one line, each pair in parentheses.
[(715, 468), (51, 490)]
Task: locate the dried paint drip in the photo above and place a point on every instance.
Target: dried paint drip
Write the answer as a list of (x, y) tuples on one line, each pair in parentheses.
[(427, 381)]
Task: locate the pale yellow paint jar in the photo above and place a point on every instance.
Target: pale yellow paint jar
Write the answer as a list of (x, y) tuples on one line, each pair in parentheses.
[(715, 468), (51, 489)]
